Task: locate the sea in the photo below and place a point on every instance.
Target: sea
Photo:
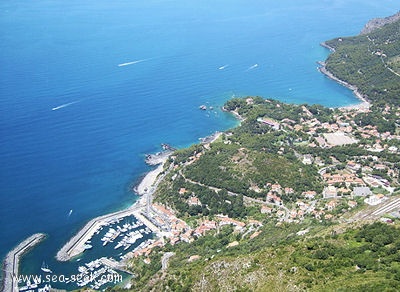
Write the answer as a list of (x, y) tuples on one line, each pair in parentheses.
[(88, 88)]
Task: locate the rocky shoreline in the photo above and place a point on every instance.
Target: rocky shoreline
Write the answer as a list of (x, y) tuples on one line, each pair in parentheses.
[(150, 178), (325, 45), (364, 104), (377, 23), (211, 138)]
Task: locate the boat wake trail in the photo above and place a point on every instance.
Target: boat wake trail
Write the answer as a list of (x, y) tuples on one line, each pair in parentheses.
[(252, 67), (133, 62), (64, 105), (223, 67)]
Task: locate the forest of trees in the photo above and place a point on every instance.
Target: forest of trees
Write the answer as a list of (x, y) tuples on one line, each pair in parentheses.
[(365, 60)]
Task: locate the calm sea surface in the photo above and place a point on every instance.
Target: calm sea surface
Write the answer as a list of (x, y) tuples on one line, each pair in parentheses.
[(75, 126)]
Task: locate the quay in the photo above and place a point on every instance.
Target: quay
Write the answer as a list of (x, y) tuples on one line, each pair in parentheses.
[(75, 245), (11, 262), (146, 222), (115, 265)]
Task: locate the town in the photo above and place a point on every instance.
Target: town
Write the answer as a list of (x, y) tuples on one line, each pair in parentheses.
[(367, 182)]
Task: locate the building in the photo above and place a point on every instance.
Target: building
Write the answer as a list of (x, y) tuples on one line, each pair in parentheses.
[(352, 204), (330, 192), (375, 199), (289, 191), (361, 191), (276, 188), (274, 125), (308, 159), (194, 201), (266, 210), (309, 194), (331, 205)]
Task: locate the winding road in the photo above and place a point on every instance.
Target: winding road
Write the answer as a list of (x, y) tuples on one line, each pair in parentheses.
[(245, 198)]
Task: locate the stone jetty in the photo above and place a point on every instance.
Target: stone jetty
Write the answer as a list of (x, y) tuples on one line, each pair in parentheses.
[(75, 245), (11, 262)]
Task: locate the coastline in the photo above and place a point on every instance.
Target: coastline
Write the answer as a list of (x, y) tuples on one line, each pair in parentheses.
[(210, 139), (75, 246), (236, 114), (150, 181), (325, 45), (364, 102), (150, 178)]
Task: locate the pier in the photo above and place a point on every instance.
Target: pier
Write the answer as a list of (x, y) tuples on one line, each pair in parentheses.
[(11, 262), (75, 245), (115, 265)]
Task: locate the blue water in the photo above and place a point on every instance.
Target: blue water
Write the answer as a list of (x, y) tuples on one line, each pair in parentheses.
[(87, 155)]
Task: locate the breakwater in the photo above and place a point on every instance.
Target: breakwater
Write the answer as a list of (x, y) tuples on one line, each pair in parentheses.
[(11, 262), (76, 245)]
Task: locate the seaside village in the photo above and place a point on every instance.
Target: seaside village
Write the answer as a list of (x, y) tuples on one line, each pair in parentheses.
[(346, 185), (136, 232)]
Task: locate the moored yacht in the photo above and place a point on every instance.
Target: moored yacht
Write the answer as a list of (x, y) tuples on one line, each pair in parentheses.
[(45, 268)]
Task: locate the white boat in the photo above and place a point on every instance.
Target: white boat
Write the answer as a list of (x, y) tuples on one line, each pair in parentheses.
[(82, 269), (132, 239), (120, 244), (87, 246), (45, 268)]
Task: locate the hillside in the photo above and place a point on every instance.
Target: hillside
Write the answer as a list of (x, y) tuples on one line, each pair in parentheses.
[(371, 62), (377, 23), (238, 208), (359, 259)]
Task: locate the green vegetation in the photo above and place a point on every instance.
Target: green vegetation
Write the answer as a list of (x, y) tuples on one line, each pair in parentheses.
[(234, 169), (245, 162), (370, 62), (361, 259)]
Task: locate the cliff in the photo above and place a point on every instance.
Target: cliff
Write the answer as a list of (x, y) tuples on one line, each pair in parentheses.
[(376, 23)]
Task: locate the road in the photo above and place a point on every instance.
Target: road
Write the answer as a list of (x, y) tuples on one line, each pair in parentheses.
[(165, 258), (245, 198)]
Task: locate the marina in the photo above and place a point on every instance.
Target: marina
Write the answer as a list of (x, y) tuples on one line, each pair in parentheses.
[(78, 243), (119, 235), (114, 241), (99, 272), (125, 234)]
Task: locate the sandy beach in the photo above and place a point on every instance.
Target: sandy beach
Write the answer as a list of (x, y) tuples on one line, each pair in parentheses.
[(151, 177)]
